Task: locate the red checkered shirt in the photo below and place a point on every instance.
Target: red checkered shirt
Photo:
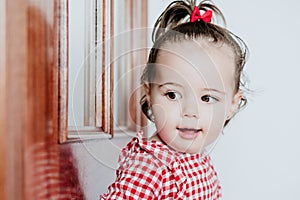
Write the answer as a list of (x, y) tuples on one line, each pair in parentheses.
[(151, 170)]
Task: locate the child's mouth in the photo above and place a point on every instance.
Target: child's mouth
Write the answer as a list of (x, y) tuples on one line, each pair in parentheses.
[(188, 133)]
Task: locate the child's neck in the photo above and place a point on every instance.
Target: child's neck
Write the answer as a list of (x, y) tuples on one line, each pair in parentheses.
[(155, 137)]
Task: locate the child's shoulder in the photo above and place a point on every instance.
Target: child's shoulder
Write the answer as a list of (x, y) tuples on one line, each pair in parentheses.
[(140, 153)]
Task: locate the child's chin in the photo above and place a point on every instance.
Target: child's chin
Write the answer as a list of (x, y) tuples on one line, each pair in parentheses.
[(194, 151), (190, 150)]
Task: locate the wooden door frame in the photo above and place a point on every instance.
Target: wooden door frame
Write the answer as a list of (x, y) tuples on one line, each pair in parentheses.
[(14, 100), (29, 61)]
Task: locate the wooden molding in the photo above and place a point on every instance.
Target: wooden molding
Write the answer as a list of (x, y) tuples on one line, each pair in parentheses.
[(62, 67)]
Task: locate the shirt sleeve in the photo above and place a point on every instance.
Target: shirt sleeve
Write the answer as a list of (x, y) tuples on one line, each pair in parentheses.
[(139, 175), (141, 183)]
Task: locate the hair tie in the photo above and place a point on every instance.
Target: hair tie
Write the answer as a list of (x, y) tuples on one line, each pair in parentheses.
[(206, 17)]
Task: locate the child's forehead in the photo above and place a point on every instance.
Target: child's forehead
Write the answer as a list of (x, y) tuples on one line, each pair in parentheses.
[(199, 48), (199, 55), (191, 76), (213, 65)]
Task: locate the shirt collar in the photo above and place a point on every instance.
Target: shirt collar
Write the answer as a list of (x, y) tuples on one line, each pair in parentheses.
[(163, 153)]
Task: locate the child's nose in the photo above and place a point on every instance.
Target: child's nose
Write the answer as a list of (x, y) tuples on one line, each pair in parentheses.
[(191, 114), (190, 108)]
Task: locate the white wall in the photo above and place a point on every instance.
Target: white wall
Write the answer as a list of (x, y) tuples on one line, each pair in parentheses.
[(258, 157)]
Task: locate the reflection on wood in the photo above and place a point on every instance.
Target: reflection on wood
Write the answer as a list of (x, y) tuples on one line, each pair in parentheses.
[(51, 173)]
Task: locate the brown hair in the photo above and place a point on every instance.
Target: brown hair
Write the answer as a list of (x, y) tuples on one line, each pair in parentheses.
[(174, 25)]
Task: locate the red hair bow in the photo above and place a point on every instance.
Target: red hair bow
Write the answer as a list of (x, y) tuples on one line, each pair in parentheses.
[(206, 17)]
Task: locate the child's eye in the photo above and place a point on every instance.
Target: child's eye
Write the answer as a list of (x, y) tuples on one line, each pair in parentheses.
[(173, 95), (209, 99)]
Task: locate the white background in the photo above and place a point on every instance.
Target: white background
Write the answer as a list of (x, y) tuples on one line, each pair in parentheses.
[(258, 157)]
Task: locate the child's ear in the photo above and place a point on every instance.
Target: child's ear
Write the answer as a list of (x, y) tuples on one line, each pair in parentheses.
[(235, 104), (146, 87)]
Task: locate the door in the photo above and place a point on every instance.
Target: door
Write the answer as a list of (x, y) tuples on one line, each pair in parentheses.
[(33, 165)]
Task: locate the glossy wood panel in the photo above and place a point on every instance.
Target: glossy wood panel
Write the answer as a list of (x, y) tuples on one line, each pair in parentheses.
[(33, 165)]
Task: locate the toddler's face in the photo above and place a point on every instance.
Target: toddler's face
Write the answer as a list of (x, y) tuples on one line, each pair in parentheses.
[(192, 93)]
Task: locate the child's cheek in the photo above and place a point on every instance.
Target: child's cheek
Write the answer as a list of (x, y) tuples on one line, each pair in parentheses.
[(215, 123), (159, 116), (164, 115)]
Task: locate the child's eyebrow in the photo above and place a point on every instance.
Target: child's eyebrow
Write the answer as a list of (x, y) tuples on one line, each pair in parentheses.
[(214, 90), (203, 89), (170, 83)]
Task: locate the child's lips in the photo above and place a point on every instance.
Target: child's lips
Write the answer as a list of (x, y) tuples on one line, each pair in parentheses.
[(188, 133)]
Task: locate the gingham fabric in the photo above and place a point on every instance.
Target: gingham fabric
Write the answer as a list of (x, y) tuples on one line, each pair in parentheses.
[(151, 170)]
